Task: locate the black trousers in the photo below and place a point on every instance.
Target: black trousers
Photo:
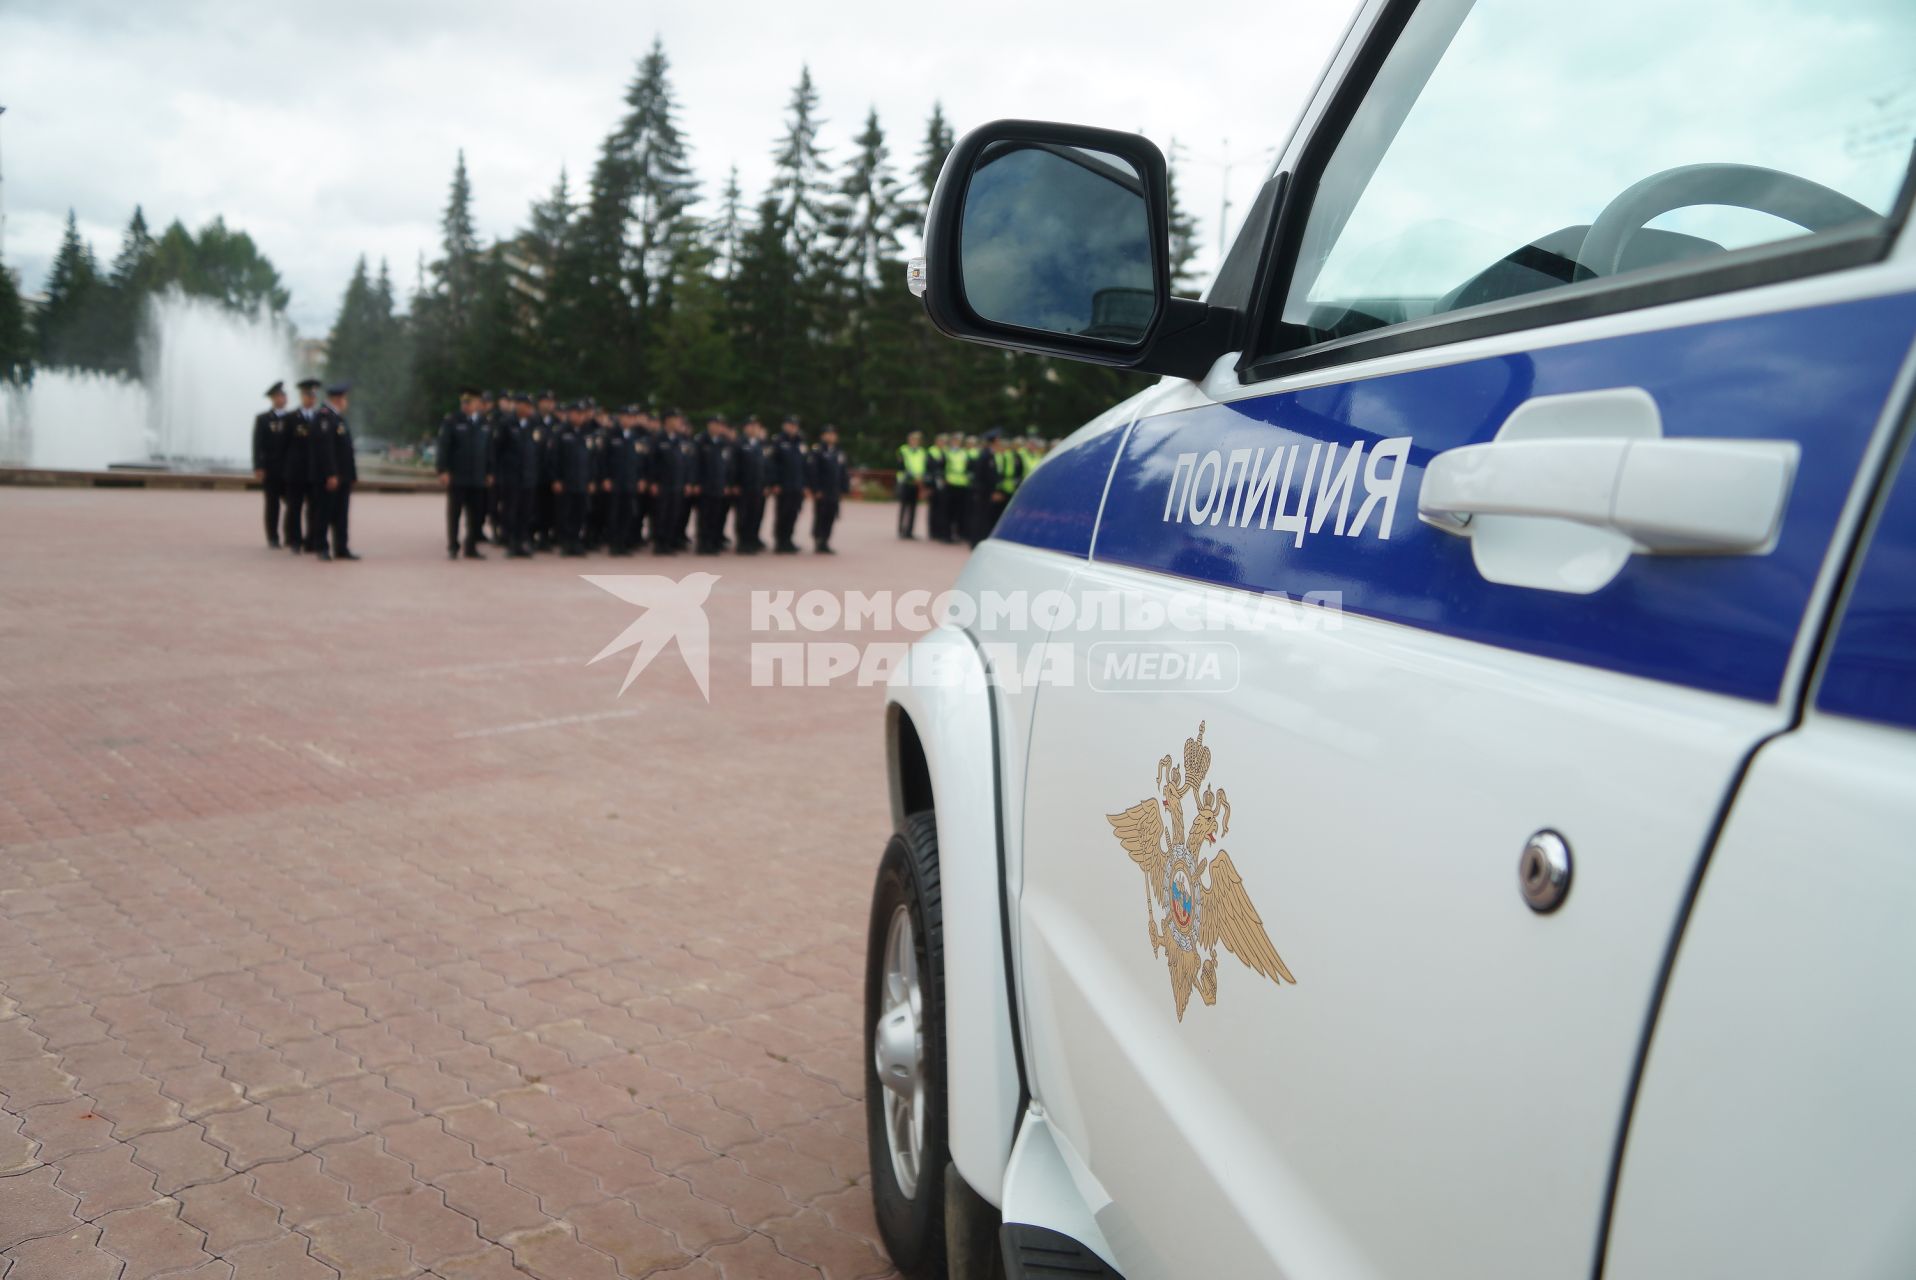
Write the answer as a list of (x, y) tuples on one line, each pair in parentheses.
[(319, 514), (470, 499), (958, 508), (687, 503), (572, 520), (979, 517), (622, 522), (272, 487), (907, 507), (514, 516), (666, 504), (824, 516), (937, 525), (339, 505), (748, 524), (785, 521), (292, 495), (545, 513), (711, 521)]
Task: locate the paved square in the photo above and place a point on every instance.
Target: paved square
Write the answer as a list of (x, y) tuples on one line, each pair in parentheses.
[(351, 924)]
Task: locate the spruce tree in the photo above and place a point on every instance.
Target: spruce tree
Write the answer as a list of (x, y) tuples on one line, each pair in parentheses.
[(130, 283), (456, 272), (16, 343), (798, 176), (658, 171), (726, 233), (932, 151), (76, 324), (1184, 236)]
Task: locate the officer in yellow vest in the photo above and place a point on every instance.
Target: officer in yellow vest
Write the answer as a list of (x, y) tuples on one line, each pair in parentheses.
[(1030, 454), (957, 489), (913, 459)]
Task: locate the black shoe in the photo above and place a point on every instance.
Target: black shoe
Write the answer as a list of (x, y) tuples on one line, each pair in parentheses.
[(272, 544), (572, 551), (347, 555), (296, 548), (518, 553), (323, 554), (823, 551), (452, 553), (474, 553), (785, 551)]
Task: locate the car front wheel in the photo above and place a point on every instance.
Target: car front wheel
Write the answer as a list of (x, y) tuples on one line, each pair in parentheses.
[(905, 1050)]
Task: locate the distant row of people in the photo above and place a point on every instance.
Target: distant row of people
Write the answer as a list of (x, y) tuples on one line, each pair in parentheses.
[(303, 459), (965, 481), (581, 478)]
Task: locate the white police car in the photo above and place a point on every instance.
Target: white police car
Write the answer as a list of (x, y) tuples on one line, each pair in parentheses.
[(1540, 898)]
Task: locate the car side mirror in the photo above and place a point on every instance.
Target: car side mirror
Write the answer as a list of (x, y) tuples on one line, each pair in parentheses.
[(1054, 239)]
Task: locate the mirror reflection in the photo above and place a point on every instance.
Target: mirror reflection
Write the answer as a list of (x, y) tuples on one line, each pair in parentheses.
[(1058, 239)]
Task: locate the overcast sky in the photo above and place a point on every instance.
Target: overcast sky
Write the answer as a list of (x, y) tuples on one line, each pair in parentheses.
[(327, 131)]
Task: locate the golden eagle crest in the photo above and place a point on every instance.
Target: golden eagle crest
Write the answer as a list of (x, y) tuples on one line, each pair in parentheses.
[(1187, 918)]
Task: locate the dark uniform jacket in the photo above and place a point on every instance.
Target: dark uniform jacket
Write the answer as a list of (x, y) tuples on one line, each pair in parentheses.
[(296, 465), (984, 470), (339, 434), (515, 453), (717, 459), (628, 459), (830, 471), (752, 466), (571, 460), (465, 447), (788, 463), (322, 446), (269, 443)]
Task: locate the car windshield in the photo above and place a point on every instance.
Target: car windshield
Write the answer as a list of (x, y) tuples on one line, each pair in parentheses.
[(1498, 132)]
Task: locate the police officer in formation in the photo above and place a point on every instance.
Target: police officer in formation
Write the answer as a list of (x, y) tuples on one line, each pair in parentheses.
[(574, 478), (269, 457), (828, 478), (464, 460)]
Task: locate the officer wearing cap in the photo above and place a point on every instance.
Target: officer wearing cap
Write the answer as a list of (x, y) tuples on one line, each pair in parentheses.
[(716, 460), (913, 459), (464, 464), (269, 451), (572, 482), (515, 472), (959, 456), (628, 457), (345, 474), (672, 475), (754, 469), (545, 508), (982, 487), (789, 468), (829, 478), (935, 522), (323, 478), (296, 484)]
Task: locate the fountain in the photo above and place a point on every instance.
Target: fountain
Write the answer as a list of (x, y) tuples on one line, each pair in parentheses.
[(202, 368)]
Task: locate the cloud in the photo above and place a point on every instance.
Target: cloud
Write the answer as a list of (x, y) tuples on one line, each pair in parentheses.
[(328, 132)]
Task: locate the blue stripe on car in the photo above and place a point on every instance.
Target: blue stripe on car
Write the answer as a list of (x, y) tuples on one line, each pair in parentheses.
[(1818, 375), (1872, 667)]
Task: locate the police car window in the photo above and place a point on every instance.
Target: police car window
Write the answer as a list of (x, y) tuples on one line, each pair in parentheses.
[(1509, 147)]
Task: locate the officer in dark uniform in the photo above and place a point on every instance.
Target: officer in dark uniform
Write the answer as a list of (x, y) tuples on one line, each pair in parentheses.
[(465, 469), (650, 432), (323, 480), (515, 473), (628, 457), (296, 477), (829, 479), (789, 467), (269, 453), (572, 483), (592, 431), (754, 469), (913, 459), (545, 507), (672, 476), (937, 525), (983, 488), (716, 459), (339, 487)]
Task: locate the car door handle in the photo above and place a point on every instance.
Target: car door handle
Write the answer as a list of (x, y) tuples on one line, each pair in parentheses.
[(1668, 496)]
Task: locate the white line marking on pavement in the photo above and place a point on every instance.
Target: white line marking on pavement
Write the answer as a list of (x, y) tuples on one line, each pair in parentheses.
[(475, 668), (554, 723)]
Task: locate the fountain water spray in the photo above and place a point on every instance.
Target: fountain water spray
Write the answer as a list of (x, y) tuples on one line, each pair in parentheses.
[(202, 368)]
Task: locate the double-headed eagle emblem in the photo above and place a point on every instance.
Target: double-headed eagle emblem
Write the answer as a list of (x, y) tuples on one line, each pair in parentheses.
[(1186, 916)]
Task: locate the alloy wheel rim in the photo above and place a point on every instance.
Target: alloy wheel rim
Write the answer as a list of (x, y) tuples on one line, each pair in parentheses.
[(898, 1050)]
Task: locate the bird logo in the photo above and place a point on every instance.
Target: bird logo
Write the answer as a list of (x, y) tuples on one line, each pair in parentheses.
[(1186, 916), (674, 610)]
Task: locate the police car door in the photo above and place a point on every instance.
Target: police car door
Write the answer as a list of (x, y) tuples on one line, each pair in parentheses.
[(1341, 914)]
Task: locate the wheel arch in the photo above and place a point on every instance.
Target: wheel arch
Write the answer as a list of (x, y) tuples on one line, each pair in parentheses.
[(942, 754)]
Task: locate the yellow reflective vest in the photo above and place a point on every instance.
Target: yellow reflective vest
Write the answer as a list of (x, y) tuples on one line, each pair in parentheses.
[(958, 467), (913, 462)]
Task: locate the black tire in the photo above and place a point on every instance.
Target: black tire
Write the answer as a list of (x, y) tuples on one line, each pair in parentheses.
[(913, 1226)]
